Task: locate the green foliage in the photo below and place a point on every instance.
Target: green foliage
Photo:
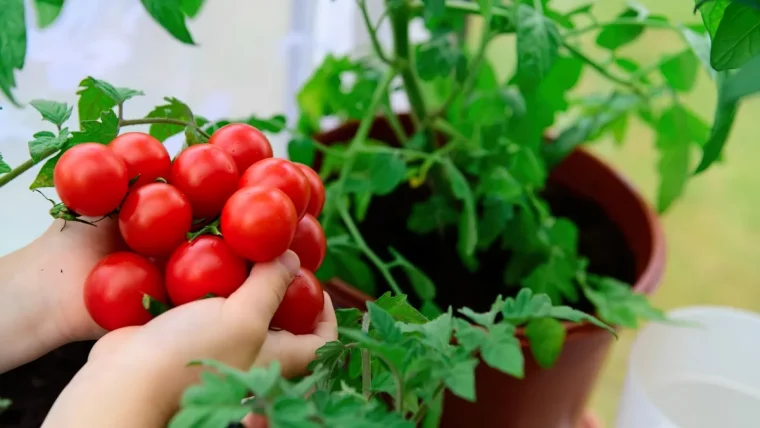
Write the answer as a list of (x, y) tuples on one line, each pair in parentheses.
[(47, 11), (13, 43)]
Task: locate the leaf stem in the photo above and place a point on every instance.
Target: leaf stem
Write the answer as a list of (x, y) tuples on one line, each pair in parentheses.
[(603, 71), (422, 411), (462, 6), (399, 16), (366, 363), (395, 124), (362, 245), (623, 21), (399, 398), (372, 30), (166, 120), (15, 172)]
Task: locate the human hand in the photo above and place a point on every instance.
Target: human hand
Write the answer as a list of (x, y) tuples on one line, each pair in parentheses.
[(136, 375), (41, 304)]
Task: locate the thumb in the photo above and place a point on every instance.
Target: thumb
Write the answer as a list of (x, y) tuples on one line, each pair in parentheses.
[(261, 294)]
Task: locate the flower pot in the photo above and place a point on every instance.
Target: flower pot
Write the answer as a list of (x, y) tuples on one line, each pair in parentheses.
[(555, 397)]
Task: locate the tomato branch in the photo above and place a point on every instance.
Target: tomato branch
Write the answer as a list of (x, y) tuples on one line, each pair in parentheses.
[(166, 120), (653, 23), (366, 363), (15, 172), (371, 29), (399, 16), (603, 71)]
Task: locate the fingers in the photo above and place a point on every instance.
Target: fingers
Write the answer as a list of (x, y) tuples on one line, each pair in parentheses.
[(264, 289), (327, 328), (294, 353)]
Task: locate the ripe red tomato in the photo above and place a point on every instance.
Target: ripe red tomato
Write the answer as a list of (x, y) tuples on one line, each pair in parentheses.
[(246, 144), (205, 265), (114, 289), (207, 176), (317, 198), (301, 306), (144, 156), (309, 243), (280, 174), (258, 223), (155, 219), (90, 179)]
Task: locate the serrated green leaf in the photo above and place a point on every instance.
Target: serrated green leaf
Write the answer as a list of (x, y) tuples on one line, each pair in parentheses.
[(438, 331), (170, 15), (383, 322), (618, 304), (437, 57), (400, 309), (525, 306), (47, 11), (302, 150), (175, 109), (53, 111), (737, 39), (387, 171), (554, 278), (485, 319), (292, 412), (216, 401), (46, 143), (502, 350), (680, 71), (528, 168), (460, 379), (13, 42), (421, 283), (101, 131), (468, 336), (616, 35), (4, 167), (192, 7), (569, 314), (499, 183), (97, 96), (538, 42), (348, 317), (493, 221), (432, 214), (45, 176), (546, 337)]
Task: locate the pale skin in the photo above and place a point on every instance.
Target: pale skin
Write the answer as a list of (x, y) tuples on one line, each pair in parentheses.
[(135, 376)]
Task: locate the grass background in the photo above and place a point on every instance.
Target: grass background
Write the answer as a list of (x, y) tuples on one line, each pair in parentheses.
[(713, 230)]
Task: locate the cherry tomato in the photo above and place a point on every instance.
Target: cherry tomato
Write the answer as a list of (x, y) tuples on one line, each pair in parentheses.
[(205, 265), (155, 219), (280, 174), (309, 243), (246, 144), (258, 223), (207, 176), (114, 289), (90, 179), (301, 306), (144, 156), (317, 198)]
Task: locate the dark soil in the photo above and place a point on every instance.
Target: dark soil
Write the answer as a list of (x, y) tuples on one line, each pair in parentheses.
[(34, 387), (600, 241)]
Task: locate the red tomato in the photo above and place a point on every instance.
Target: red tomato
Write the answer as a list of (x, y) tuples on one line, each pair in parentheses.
[(144, 156), (114, 289), (280, 174), (155, 219), (309, 243), (246, 144), (301, 306), (258, 223), (205, 265), (90, 179), (207, 176), (317, 199)]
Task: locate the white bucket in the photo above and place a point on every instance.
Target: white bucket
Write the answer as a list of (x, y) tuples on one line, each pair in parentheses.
[(705, 375)]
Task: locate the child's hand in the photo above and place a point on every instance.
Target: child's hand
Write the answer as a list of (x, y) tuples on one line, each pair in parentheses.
[(135, 376)]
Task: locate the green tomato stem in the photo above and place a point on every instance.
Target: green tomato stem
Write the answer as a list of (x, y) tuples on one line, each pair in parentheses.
[(372, 31), (15, 172), (366, 363), (399, 16), (603, 71), (166, 120)]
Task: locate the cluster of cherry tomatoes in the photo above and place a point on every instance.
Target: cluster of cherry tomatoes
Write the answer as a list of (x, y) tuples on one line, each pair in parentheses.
[(263, 206)]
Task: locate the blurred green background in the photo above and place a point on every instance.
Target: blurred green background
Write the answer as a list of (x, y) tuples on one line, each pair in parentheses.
[(713, 230)]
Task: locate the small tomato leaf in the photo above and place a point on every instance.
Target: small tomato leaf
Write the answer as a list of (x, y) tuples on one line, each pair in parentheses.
[(4, 167), (170, 14), (175, 109), (53, 111), (546, 337)]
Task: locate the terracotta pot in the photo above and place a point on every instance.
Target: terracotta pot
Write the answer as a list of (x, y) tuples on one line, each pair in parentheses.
[(555, 397)]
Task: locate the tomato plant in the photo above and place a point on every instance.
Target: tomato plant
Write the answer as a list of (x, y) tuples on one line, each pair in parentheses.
[(155, 219), (302, 304), (259, 223), (145, 157), (114, 290), (280, 174), (317, 190), (246, 144), (202, 267), (207, 175), (91, 180), (309, 243)]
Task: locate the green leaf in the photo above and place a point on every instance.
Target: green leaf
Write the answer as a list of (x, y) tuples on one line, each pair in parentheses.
[(274, 124), (348, 317), (433, 10), (45, 143), (618, 304), (468, 227), (496, 214), (680, 71), (400, 309), (175, 109), (460, 379), (347, 264), (421, 283), (383, 323), (302, 150), (292, 412), (616, 35), (154, 306), (432, 214), (329, 355), (538, 42), (470, 337), (737, 39), (569, 314), (498, 182), (712, 13), (437, 57), (741, 84), (725, 112), (502, 350), (47, 11), (4, 167), (101, 131), (13, 43), (546, 337), (52, 111), (700, 45), (485, 319), (97, 96), (216, 401), (170, 15), (525, 306), (555, 278), (528, 168), (386, 173), (677, 128), (192, 7), (45, 176)]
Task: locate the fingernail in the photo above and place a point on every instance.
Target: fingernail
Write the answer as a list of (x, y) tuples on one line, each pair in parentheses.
[(290, 261)]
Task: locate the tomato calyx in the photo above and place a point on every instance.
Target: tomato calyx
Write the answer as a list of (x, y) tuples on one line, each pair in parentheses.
[(133, 180), (61, 211), (154, 306), (209, 229)]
